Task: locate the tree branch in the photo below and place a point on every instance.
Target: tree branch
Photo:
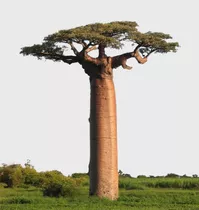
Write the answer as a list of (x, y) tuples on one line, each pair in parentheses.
[(73, 48), (91, 48), (70, 59), (139, 58), (90, 58), (151, 52), (83, 43), (101, 48), (137, 47), (121, 60), (56, 57)]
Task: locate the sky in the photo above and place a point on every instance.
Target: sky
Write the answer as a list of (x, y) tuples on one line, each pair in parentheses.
[(44, 105)]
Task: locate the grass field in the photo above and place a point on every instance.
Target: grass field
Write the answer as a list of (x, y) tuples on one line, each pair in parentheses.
[(149, 199), (23, 188)]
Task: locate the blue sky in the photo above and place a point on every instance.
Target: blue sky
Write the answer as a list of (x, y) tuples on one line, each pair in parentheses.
[(44, 106)]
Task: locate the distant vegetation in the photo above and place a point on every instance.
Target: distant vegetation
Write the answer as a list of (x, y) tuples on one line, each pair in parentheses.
[(22, 187), (52, 183), (55, 184)]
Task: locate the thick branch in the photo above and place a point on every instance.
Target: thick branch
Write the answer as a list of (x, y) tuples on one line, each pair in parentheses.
[(84, 54), (101, 50), (121, 60), (91, 59), (139, 58)]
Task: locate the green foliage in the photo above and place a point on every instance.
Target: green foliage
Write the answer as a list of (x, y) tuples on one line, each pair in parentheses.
[(55, 184), (121, 174), (12, 175), (129, 184), (141, 176), (79, 175), (172, 175), (154, 42), (55, 191), (31, 176), (160, 183), (81, 179), (56, 188), (110, 35), (17, 200), (153, 199), (3, 185)]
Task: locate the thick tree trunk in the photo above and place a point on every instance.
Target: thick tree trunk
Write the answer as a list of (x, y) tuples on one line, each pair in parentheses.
[(103, 169)]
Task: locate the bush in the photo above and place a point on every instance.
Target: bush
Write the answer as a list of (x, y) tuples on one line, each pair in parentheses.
[(80, 175), (12, 175), (31, 176), (141, 177), (172, 175), (57, 188), (55, 184), (3, 185)]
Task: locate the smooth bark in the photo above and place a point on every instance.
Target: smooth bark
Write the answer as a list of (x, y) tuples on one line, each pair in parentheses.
[(103, 169)]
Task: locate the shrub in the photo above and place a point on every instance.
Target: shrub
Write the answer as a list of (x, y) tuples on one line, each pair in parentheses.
[(141, 176), (58, 188), (31, 176), (172, 175), (79, 175), (12, 175), (3, 185)]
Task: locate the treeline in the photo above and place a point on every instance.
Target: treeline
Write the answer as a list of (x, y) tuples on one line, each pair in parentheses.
[(54, 183), (170, 175), (170, 180)]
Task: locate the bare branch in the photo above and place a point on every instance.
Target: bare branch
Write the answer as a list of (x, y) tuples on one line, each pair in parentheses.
[(73, 48), (91, 48), (82, 42)]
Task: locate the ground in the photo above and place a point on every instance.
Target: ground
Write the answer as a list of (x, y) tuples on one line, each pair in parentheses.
[(145, 199)]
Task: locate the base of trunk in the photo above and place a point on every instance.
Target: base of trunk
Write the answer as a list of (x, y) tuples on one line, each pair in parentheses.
[(103, 169)]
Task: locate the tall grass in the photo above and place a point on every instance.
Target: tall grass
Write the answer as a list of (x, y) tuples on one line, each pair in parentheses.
[(143, 183)]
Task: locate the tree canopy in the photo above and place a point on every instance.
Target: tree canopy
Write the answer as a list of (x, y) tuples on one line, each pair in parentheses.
[(99, 36)]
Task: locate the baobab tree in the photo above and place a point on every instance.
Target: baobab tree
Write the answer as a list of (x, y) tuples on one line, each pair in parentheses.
[(75, 46)]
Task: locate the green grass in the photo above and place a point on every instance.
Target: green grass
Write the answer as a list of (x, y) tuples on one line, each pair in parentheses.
[(169, 192), (145, 199), (174, 183)]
